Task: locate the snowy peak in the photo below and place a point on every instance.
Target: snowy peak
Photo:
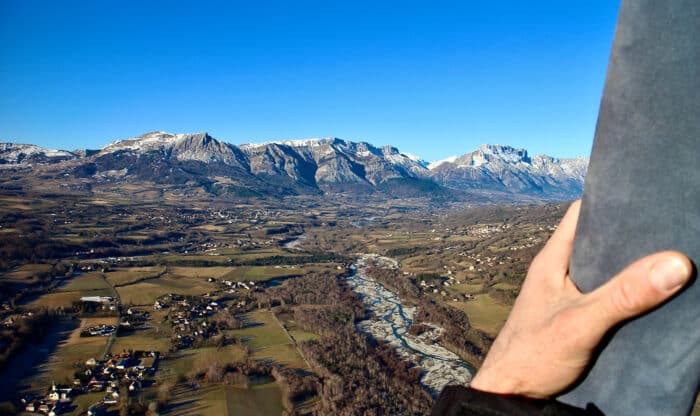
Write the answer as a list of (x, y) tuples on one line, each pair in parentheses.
[(330, 161), (308, 166), (498, 149), (29, 154), (145, 142), (493, 154), (185, 147), (489, 156), (571, 168), (416, 159), (506, 153), (315, 142), (438, 163), (505, 168)]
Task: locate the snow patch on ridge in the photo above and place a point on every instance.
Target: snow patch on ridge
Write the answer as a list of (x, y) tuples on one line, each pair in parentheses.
[(433, 165), (147, 141), (17, 153), (313, 142)]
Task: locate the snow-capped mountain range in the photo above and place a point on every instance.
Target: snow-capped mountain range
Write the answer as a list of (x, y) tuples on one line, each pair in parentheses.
[(304, 166), (24, 154)]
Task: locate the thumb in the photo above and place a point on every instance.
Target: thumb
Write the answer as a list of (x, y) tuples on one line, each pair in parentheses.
[(640, 287)]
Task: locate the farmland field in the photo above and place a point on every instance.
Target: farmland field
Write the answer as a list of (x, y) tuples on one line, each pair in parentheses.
[(83, 402), (484, 313), (147, 249), (26, 272), (295, 332), (184, 362), (268, 340), (86, 282), (201, 272), (75, 349), (261, 331), (145, 293), (142, 339), (218, 400), (261, 273), (56, 300), (125, 276)]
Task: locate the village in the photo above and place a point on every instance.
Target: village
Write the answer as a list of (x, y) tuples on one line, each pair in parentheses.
[(190, 319), (191, 285), (123, 374), (193, 320)]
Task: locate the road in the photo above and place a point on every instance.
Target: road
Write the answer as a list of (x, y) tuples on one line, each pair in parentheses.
[(115, 295)]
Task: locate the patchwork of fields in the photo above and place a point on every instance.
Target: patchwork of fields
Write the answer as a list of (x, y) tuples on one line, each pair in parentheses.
[(167, 262), (262, 336)]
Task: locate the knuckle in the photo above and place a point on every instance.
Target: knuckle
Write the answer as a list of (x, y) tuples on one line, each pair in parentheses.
[(566, 319), (624, 299)]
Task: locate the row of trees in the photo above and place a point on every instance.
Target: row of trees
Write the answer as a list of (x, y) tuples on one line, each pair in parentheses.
[(313, 289), (360, 376)]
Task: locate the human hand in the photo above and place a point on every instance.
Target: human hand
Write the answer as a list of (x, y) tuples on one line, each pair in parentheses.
[(553, 329)]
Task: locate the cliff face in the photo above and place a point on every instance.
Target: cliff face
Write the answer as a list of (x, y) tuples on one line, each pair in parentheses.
[(307, 166), (508, 169), (28, 154), (332, 161)]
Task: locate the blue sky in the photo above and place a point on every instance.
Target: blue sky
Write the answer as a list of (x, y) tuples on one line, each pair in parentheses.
[(434, 78)]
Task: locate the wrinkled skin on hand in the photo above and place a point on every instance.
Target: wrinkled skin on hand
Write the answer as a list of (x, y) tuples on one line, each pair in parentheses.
[(549, 338)]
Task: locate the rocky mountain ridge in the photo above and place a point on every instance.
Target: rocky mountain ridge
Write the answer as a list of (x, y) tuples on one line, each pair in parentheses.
[(305, 166), (28, 154), (509, 169)]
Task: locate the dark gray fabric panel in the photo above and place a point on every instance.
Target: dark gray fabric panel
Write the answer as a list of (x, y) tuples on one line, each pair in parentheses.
[(642, 195)]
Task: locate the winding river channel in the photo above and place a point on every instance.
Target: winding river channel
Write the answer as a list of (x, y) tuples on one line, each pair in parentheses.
[(391, 321)]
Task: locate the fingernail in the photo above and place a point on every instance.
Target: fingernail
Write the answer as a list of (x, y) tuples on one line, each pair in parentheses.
[(669, 274)]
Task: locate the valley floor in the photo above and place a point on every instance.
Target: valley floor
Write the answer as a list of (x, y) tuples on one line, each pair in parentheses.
[(193, 306)]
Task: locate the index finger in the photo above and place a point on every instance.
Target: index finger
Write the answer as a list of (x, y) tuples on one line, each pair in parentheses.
[(557, 252)]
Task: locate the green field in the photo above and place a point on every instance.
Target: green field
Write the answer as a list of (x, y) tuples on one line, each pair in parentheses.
[(261, 331), (261, 273), (184, 362), (174, 258), (300, 336), (264, 400), (467, 287), (201, 272), (60, 365), (484, 313), (83, 402), (26, 273), (295, 332), (85, 282), (146, 338), (284, 354), (56, 300), (268, 340), (248, 255), (125, 276), (141, 340), (505, 286), (220, 400), (146, 293)]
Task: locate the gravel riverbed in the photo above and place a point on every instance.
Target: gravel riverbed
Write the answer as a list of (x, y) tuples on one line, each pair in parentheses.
[(391, 321)]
